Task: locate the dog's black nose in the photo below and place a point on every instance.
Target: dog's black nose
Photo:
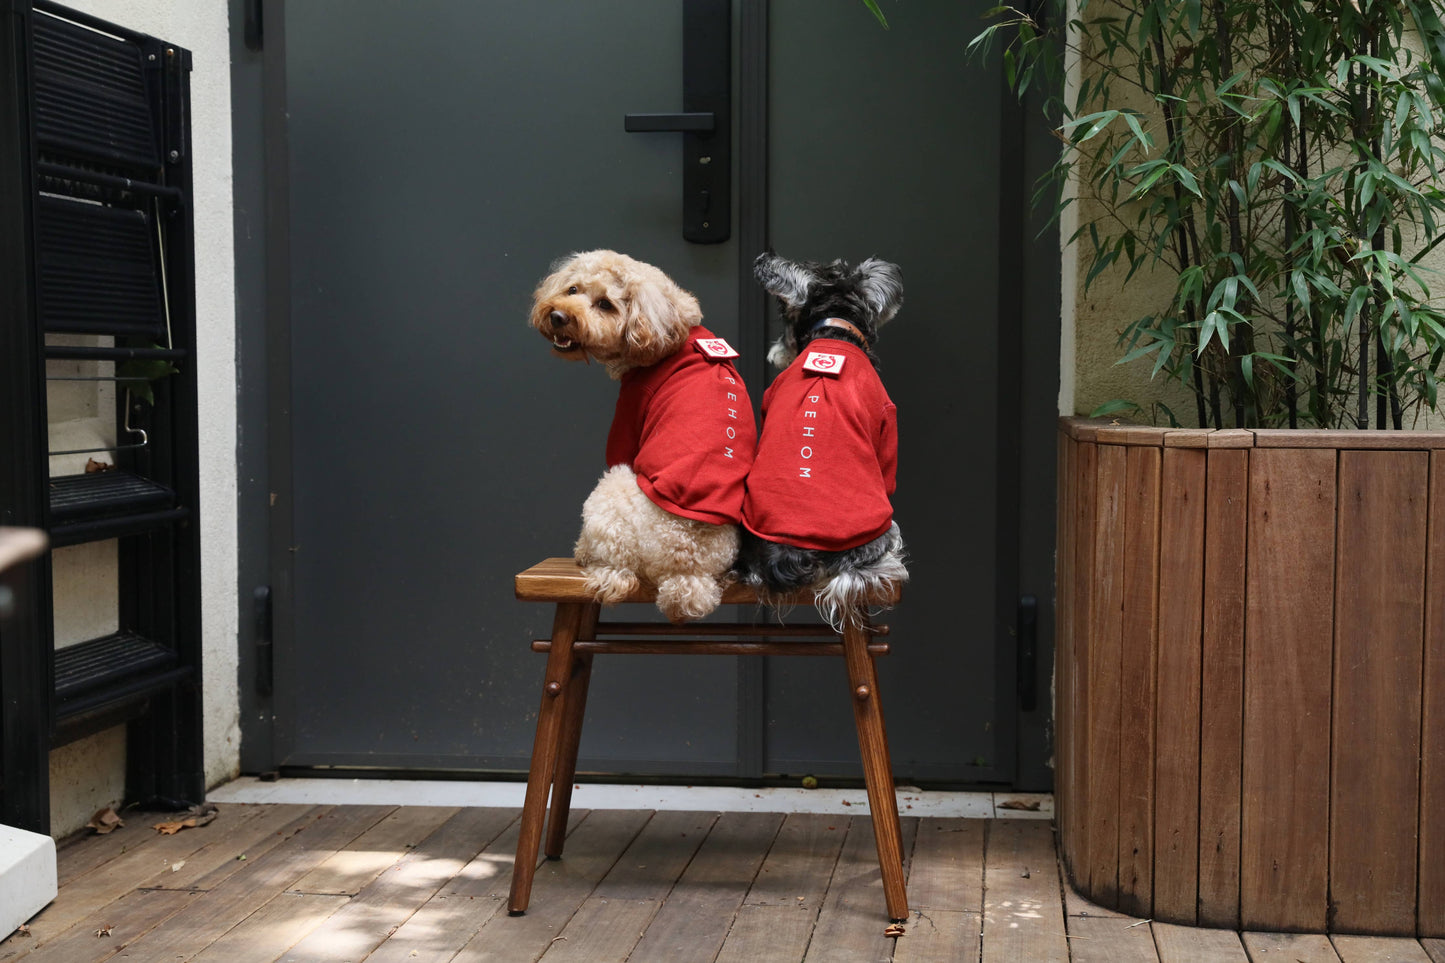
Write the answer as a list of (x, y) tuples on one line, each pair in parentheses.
[(557, 318)]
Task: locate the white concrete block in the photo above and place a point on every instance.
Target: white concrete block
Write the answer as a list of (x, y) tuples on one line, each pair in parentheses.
[(27, 876)]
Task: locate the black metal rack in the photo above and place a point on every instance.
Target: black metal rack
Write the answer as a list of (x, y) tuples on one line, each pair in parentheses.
[(96, 239)]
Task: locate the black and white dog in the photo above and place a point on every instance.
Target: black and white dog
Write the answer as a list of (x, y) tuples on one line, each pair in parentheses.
[(817, 512)]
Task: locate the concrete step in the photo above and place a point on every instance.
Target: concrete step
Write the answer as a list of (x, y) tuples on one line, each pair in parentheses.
[(27, 876)]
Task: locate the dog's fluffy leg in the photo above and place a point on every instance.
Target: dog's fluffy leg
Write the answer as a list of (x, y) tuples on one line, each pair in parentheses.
[(685, 597)]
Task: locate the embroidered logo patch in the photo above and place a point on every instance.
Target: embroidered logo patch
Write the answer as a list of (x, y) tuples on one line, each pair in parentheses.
[(716, 348), (824, 363)]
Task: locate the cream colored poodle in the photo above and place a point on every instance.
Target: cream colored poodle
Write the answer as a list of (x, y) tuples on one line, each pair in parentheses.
[(666, 510)]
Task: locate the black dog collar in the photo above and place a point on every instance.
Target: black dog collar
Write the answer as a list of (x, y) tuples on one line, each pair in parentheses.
[(839, 323)]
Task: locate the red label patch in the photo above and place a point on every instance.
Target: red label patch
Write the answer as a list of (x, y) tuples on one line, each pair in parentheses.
[(824, 363), (716, 348)]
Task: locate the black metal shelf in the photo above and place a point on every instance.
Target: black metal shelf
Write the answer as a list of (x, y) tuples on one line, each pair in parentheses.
[(110, 673), (79, 352), (87, 508)]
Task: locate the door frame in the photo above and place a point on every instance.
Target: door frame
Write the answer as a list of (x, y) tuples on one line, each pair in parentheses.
[(1026, 409)]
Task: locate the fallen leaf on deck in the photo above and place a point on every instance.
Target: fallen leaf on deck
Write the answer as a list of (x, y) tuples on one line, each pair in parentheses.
[(894, 930), (1024, 874), (190, 819), (1026, 805), (92, 466), (105, 821), (22, 930), (176, 867), (104, 930)]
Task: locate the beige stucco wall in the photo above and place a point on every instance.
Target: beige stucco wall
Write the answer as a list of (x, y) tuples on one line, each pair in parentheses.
[(90, 774)]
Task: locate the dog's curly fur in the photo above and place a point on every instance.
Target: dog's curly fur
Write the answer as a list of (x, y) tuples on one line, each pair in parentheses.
[(809, 293), (625, 314)]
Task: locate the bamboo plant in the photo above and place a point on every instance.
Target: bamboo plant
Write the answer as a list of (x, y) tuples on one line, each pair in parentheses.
[(1282, 162)]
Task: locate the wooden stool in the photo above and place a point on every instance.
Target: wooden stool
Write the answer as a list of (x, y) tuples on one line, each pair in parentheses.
[(575, 640)]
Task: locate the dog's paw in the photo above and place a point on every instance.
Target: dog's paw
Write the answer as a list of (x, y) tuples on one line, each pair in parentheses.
[(683, 598), (610, 585)]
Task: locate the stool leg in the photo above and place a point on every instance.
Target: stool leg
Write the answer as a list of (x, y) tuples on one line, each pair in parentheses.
[(571, 737), (544, 751), (877, 769)]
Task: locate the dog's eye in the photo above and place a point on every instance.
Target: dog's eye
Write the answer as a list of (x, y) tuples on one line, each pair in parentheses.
[(605, 304), (572, 289)]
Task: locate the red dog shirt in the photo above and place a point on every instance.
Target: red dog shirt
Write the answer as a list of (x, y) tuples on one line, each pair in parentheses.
[(828, 459), (685, 426)]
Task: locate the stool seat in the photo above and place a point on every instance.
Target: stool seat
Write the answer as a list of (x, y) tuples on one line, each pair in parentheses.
[(579, 634)]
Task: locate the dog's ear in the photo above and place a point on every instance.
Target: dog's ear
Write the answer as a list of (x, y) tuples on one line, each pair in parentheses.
[(783, 279), (882, 285), (657, 315)]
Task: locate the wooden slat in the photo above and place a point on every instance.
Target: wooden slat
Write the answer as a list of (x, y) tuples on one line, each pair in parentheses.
[(347, 871), (1379, 949), (602, 931), (266, 934), (787, 893), (1289, 948), (650, 867), (1435, 948), (1076, 832), (1105, 939), (1348, 439), (127, 920), (561, 580), (946, 872), (1023, 914), (1379, 611), (1137, 682), (1100, 878), (768, 933), (1189, 944), (694, 921), (852, 920), (364, 923), (1232, 438), (1288, 632), (444, 924), (940, 936), (85, 851), (1176, 751), (1064, 770), (1432, 774), (1221, 708), (250, 888), (559, 889)]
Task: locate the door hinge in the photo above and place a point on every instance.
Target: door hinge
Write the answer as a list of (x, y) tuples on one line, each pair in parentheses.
[(1027, 634), (261, 616)]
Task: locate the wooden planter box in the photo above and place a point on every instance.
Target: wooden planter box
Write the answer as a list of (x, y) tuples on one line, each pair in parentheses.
[(1251, 676)]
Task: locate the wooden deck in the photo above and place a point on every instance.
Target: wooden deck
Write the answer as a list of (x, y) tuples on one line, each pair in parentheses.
[(393, 884)]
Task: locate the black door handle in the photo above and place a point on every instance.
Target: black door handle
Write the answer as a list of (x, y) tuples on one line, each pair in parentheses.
[(662, 123), (705, 121)]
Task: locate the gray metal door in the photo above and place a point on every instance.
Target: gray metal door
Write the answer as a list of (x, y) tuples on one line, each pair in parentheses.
[(438, 155)]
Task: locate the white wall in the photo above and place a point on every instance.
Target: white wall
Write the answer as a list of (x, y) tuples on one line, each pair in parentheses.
[(90, 774)]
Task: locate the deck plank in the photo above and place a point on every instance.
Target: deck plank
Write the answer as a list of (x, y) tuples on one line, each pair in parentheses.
[(454, 914), (269, 932), (222, 854), (1435, 948), (694, 922), (946, 872), (1111, 939), (1023, 913), (1289, 948), (380, 908), (769, 933), (1188, 944), (234, 899), (86, 851), (650, 867), (365, 858), (558, 891), (124, 921), (940, 936), (853, 916), (1379, 949)]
